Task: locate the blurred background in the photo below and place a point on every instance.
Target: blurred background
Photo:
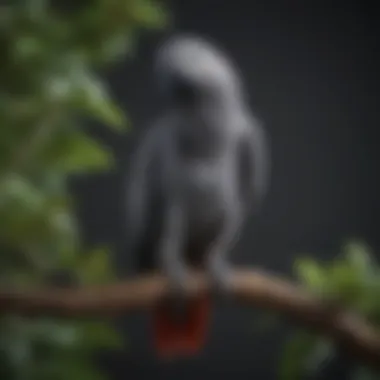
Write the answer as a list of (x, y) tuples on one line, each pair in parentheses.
[(70, 69)]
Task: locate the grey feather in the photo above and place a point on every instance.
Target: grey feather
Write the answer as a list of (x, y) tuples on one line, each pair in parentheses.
[(200, 168)]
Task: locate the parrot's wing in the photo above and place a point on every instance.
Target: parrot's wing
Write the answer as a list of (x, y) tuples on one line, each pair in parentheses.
[(143, 214), (254, 164)]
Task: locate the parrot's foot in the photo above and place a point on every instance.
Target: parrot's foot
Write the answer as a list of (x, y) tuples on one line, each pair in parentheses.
[(178, 283), (177, 299), (221, 274)]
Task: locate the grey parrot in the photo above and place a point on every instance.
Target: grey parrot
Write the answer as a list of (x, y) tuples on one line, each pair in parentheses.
[(197, 173)]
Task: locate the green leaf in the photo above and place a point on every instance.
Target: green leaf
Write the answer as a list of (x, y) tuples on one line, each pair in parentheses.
[(27, 47), (149, 13), (54, 332), (16, 189), (100, 335), (345, 282), (80, 153), (311, 274), (58, 89), (91, 96), (322, 353), (359, 257), (84, 153), (297, 352), (95, 267)]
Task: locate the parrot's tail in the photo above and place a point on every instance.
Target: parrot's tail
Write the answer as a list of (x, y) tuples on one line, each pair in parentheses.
[(183, 336)]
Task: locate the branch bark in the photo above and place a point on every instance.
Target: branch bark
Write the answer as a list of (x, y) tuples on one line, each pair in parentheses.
[(351, 333)]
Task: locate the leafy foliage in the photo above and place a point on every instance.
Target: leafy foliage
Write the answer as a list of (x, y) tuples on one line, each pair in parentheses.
[(51, 52), (352, 281)]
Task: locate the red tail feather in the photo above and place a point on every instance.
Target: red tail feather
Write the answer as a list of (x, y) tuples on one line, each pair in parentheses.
[(186, 336)]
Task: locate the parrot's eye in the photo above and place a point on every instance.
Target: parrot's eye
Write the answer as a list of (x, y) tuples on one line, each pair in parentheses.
[(178, 89), (184, 92)]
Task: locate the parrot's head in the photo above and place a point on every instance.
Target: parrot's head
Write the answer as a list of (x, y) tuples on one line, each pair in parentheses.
[(190, 68)]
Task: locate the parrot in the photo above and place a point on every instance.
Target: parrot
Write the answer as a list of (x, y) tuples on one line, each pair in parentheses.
[(196, 174)]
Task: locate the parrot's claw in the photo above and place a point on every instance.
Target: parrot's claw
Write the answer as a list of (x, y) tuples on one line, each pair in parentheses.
[(178, 279), (220, 273), (177, 282), (177, 275)]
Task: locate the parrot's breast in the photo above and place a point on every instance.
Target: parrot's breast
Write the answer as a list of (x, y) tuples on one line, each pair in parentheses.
[(206, 198)]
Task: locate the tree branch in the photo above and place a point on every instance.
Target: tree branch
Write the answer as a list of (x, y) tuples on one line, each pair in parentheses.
[(350, 332)]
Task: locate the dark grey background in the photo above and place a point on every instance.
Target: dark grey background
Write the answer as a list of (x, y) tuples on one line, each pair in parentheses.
[(311, 68)]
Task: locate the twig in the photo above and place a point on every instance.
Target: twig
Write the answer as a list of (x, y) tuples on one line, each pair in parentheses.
[(352, 334)]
